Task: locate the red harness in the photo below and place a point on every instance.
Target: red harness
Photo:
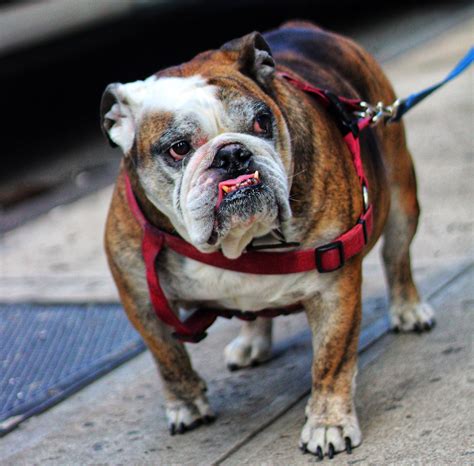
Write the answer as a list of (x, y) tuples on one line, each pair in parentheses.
[(326, 258)]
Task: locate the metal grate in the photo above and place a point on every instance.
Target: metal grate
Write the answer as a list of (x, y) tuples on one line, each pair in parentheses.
[(47, 352)]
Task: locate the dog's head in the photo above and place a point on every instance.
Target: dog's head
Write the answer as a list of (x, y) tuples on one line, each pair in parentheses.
[(209, 144)]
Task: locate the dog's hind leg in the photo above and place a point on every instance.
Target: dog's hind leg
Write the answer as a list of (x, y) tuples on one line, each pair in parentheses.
[(253, 345), (407, 311)]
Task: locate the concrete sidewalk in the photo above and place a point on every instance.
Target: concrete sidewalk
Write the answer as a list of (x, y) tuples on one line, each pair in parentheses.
[(414, 393)]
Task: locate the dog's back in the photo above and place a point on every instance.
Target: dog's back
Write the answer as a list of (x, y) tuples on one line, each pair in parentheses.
[(330, 61)]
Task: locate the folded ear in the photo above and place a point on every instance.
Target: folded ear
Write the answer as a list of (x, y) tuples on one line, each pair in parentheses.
[(116, 117), (254, 57)]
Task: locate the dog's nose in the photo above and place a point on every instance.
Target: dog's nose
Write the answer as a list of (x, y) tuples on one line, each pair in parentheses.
[(232, 158)]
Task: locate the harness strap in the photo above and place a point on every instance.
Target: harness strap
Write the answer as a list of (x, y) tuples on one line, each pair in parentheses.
[(326, 258)]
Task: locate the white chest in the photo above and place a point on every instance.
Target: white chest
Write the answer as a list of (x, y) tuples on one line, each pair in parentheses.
[(197, 282)]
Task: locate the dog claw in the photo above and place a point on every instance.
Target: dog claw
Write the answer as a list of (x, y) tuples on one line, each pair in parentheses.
[(429, 325), (418, 327), (207, 419), (194, 424), (303, 448), (181, 428), (183, 416), (331, 451), (319, 453), (348, 445), (232, 367)]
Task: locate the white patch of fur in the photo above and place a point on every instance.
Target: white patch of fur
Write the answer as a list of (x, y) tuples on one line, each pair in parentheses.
[(406, 316), (191, 96), (203, 406), (123, 130), (239, 237), (235, 290), (181, 96), (254, 344), (242, 352), (318, 432), (321, 436), (181, 412)]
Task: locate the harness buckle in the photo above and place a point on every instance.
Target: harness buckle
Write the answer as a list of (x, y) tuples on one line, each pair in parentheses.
[(329, 247)]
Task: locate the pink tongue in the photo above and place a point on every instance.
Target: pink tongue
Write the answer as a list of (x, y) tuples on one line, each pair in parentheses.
[(238, 180)]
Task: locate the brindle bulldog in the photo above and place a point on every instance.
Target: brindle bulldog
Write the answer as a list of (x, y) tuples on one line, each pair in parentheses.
[(187, 134)]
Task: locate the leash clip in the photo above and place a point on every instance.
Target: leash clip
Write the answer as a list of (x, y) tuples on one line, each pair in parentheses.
[(379, 112)]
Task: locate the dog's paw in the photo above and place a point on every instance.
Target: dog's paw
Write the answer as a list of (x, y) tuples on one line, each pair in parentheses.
[(412, 317), (247, 351), (184, 415), (325, 440)]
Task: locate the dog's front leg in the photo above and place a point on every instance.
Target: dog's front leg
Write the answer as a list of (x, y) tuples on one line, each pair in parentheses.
[(184, 390), (334, 317)]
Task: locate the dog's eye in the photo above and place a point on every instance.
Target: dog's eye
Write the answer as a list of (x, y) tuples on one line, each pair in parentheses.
[(179, 150), (263, 124)]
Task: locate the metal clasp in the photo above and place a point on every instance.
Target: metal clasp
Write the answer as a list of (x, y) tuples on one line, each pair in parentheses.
[(365, 196), (379, 112)]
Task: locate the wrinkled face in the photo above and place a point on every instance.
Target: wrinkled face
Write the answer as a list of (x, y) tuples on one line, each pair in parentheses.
[(214, 158)]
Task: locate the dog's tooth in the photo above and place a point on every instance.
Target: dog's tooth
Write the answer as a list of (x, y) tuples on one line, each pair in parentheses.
[(226, 189), (256, 175)]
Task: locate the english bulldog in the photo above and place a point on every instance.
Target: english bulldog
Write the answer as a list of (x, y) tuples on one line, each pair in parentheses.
[(223, 151)]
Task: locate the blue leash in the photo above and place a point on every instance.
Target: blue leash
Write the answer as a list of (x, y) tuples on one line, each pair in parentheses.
[(414, 99), (393, 112)]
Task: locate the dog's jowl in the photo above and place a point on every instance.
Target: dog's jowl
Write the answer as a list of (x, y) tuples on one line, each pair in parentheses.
[(224, 153)]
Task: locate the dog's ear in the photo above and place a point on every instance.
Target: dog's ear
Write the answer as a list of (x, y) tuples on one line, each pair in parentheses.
[(116, 117), (254, 57)]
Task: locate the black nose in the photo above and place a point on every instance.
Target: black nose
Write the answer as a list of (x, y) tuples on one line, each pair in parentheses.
[(232, 158)]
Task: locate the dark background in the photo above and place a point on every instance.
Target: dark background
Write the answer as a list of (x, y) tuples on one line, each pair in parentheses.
[(55, 87)]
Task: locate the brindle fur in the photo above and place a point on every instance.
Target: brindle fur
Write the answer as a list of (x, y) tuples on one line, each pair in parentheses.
[(320, 160)]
